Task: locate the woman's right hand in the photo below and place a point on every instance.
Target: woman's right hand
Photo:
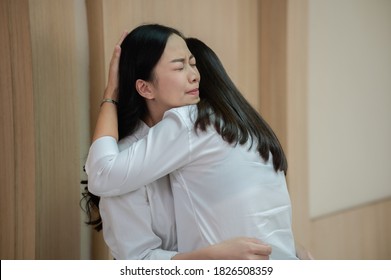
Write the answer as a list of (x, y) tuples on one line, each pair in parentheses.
[(240, 248), (107, 123), (111, 91)]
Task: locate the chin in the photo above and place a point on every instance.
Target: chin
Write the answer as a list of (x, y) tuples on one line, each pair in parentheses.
[(188, 102), (195, 101)]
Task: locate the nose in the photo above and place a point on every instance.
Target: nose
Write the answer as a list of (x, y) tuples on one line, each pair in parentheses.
[(194, 75)]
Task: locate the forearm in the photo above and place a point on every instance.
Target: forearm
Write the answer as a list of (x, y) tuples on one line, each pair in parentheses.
[(240, 248), (107, 123), (201, 254)]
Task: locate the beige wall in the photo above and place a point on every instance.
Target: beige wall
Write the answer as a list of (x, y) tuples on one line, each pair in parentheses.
[(349, 109), (349, 131)]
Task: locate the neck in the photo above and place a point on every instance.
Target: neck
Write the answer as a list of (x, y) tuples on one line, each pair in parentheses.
[(154, 115)]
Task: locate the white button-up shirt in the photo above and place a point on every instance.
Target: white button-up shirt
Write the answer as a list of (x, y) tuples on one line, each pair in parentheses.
[(140, 224), (220, 190)]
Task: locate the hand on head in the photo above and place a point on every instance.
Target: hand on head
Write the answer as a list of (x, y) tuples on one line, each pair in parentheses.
[(111, 91)]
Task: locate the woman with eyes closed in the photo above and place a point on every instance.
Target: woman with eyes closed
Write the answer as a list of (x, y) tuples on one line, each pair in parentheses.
[(226, 167)]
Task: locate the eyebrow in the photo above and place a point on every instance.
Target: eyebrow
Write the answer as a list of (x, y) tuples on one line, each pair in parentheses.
[(181, 59)]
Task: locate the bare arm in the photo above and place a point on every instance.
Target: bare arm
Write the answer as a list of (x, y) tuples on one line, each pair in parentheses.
[(240, 248), (107, 122)]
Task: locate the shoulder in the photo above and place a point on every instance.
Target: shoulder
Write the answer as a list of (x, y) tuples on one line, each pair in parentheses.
[(186, 114), (141, 131)]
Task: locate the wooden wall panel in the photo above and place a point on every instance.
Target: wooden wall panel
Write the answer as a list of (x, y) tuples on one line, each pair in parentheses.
[(22, 82), (296, 117), (362, 233), (18, 188), (7, 149), (57, 129), (283, 96), (97, 81), (273, 63)]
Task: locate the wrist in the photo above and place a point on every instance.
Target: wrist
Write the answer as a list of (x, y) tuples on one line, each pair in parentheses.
[(209, 253), (110, 93), (201, 254), (109, 100)]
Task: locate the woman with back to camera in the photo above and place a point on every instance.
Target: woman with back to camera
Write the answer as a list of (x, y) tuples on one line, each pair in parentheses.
[(226, 166)]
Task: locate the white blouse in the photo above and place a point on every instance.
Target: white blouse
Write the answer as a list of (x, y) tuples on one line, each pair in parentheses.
[(140, 224), (220, 191)]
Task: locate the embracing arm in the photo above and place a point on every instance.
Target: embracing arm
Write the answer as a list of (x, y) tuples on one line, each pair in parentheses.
[(128, 231), (240, 248), (133, 230), (111, 172)]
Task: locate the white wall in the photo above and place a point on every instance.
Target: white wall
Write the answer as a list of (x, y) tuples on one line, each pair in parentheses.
[(349, 103)]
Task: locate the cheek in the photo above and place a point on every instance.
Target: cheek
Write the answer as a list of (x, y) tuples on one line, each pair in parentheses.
[(173, 84)]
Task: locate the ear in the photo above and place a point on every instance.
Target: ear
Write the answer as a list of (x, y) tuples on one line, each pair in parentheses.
[(144, 89)]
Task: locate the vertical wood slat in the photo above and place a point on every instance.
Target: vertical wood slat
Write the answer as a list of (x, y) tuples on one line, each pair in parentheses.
[(17, 134), (99, 250), (283, 95), (22, 82), (7, 148), (273, 61), (57, 129), (296, 117)]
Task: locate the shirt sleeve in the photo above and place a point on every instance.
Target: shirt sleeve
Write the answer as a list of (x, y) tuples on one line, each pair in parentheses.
[(128, 220), (127, 228), (166, 148)]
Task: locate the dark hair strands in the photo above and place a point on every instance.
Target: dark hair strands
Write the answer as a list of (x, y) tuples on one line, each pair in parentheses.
[(233, 117)]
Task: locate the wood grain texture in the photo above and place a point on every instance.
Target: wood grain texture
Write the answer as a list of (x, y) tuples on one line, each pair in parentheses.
[(273, 65), (7, 142), (362, 233), (57, 131), (17, 176), (22, 84), (97, 82), (296, 118)]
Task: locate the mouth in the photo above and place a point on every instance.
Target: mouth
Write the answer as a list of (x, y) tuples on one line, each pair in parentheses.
[(193, 92)]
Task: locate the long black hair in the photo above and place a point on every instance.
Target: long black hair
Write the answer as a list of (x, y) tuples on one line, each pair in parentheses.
[(140, 52), (233, 117)]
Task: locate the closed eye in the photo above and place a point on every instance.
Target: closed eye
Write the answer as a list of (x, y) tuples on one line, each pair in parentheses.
[(192, 61)]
